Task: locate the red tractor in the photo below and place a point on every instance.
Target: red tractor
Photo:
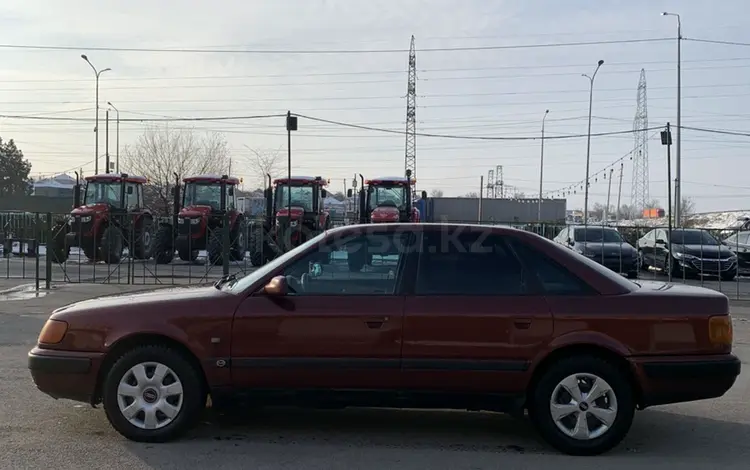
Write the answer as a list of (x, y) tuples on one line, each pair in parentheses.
[(111, 218), (387, 199), (294, 212), (199, 220)]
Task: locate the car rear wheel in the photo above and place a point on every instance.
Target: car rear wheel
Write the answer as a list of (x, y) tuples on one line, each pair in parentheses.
[(582, 405), (153, 394)]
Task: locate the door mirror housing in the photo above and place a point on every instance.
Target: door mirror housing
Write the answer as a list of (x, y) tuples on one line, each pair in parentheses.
[(129, 190), (323, 193), (571, 242), (349, 193), (661, 241), (276, 287)]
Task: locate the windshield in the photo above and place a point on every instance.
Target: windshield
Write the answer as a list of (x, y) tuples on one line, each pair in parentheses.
[(302, 196), (103, 192), (244, 282), (693, 237), (394, 196), (597, 235), (203, 194)]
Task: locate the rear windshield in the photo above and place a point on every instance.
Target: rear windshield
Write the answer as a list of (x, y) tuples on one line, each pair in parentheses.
[(596, 235)]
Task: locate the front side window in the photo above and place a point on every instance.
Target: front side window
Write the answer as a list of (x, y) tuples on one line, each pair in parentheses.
[(203, 194), (302, 196), (367, 264), (470, 263), (99, 192), (393, 196)]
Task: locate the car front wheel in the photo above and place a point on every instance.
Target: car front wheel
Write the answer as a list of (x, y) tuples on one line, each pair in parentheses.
[(582, 405), (153, 394)]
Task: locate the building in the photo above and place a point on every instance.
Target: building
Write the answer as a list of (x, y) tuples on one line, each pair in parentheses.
[(59, 186)]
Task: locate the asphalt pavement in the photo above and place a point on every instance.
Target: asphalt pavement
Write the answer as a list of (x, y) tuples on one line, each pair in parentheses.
[(39, 432)]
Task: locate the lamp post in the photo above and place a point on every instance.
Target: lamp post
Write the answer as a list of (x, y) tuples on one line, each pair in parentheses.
[(541, 172), (117, 138), (588, 145), (96, 125), (677, 189)]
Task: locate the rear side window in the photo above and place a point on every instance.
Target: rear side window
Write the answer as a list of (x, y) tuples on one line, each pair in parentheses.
[(469, 263), (554, 278)]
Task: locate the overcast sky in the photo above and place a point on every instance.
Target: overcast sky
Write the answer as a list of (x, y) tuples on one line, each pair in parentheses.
[(500, 92)]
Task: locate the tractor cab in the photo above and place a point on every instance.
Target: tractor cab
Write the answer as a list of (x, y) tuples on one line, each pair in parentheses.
[(387, 199), (203, 195), (109, 193), (298, 200)]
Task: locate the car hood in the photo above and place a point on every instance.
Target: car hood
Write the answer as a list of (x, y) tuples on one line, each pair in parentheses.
[(704, 251), (607, 248), (131, 300)]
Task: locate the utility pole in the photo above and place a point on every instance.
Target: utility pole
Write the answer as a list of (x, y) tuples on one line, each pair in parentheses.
[(666, 139), (291, 125), (619, 192), (97, 73), (588, 145), (410, 156), (481, 187), (117, 138), (609, 191), (106, 139), (541, 172), (678, 159)]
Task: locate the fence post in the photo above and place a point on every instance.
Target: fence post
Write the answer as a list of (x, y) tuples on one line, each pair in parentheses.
[(48, 258), (225, 248), (37, 237)]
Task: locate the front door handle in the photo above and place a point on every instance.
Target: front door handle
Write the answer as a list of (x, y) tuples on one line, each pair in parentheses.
[(375, 323), (522, 323)]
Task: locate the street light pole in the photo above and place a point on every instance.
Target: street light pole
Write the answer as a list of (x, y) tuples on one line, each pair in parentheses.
[(541, 172), (96, 125), (117, 138), (588, 145), (678, 156)]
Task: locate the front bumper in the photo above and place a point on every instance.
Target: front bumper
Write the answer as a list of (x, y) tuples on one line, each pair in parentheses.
[(707, 265), (65, 374), (677, 379)]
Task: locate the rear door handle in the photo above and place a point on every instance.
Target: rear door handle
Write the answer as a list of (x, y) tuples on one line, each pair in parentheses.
[(375, 323), (522, 323)]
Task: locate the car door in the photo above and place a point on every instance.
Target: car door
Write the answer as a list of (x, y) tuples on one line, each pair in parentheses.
[(339, 327), (646, 245), (470, 324)]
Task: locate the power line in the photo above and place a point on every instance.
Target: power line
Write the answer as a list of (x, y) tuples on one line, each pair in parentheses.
[(328, 51), (714, 41)]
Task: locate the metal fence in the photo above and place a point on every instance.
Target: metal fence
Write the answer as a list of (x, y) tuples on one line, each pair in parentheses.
[(33, 248)]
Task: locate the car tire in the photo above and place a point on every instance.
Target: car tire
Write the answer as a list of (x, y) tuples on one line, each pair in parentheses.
[(559, 428), (123, 393)]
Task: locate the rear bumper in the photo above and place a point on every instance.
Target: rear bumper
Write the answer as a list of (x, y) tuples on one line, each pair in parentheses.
[(681, 379), (65, 374)]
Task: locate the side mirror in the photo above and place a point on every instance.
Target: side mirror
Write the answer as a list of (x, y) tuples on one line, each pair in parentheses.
[(323, 193), (231, 191), (424, 194), (661, 241), (129, 190), (349, 193), (571, 242), (276, 287)]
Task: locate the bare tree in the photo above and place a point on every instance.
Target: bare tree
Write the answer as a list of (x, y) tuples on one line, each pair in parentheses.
[(160, 152), (264, 163), (436, 193), (687, 206)]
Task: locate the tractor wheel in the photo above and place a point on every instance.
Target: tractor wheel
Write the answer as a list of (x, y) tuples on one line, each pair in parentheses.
[(214, 248), (112, 244), (143, 239), (163, 249), (57, 247), (238, 247)]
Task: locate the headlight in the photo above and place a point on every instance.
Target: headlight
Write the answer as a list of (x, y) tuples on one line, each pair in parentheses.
[(195, 221), (86, 219), (684, 256), (293, 223)]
